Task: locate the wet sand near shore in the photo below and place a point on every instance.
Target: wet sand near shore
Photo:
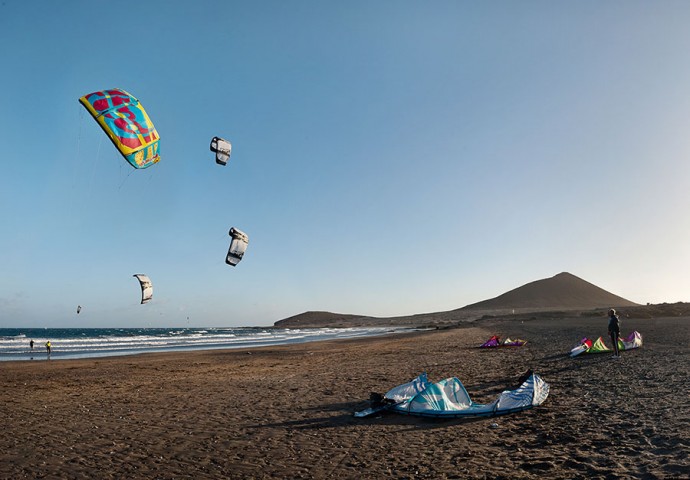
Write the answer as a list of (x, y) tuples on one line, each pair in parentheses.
[(287, 412)]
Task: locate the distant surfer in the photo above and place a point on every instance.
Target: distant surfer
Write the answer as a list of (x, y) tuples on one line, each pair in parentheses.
[(31, 345), (48, 347), (614, 331)]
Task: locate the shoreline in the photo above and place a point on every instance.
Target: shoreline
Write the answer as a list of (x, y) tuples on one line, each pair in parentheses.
[(96, 346), (287, 411)]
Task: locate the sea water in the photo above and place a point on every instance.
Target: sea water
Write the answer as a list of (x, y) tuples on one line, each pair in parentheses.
[(101, 342)]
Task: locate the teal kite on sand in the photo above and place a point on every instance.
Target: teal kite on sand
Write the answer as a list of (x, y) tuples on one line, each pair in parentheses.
[(449, 399)]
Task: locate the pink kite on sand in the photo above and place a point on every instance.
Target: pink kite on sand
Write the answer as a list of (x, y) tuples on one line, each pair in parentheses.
[(495, 341)]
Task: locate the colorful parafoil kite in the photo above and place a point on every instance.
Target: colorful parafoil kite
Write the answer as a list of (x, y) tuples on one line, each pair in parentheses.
[(127, 124), (238, 245), (222, 148), (146, 287)]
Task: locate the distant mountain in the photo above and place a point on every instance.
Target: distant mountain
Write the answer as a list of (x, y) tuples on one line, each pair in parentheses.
[(561, 292), (317, 319)]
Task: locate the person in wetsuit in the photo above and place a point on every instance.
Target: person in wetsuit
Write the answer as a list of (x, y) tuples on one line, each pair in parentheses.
[(614, 331)]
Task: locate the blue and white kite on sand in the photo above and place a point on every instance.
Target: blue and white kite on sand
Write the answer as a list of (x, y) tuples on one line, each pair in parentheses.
[(449, 399)]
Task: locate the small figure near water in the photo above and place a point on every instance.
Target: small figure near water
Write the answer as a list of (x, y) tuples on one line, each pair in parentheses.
[(31, 345), (48, 347), (614, 331)]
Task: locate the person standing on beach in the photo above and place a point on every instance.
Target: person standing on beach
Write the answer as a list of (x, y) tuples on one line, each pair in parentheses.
[(614, 331), (48, 347)]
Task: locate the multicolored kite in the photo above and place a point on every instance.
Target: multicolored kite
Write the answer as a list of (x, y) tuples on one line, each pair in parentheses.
[(127, 124), (631, 342), (495, 341)]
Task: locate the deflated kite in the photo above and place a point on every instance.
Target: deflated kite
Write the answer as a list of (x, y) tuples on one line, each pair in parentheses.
[(495, 341), (146, 287), (238, 245), (449, 399), (126, 123), (632, 341), (222, 148)]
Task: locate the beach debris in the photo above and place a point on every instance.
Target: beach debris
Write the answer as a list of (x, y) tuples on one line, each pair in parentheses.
[(495, 341), (126, 123), (222, 149), (632, 341), (449, 399), (238, 245), (146, 287)]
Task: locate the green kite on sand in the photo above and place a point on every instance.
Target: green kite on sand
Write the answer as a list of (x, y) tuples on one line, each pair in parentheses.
[(634, 340)]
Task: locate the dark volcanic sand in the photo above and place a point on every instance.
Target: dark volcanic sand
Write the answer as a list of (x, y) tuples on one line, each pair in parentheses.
[(287, 412)]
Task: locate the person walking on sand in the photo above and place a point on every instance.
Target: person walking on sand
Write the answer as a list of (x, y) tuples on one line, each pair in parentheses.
[(614, 331), (48, 347)]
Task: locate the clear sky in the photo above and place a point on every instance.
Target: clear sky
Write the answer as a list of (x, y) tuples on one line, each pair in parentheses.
[(389, 157)]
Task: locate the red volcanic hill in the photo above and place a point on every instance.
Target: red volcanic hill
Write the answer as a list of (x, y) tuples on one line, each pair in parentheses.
[(561, 292)]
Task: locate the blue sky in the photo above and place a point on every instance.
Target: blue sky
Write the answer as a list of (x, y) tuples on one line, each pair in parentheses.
[(389, 157)]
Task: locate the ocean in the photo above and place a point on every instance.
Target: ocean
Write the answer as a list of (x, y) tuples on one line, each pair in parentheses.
[(70, 343)]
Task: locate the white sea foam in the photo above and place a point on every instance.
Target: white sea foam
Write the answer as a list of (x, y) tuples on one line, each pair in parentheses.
[(81, 343)]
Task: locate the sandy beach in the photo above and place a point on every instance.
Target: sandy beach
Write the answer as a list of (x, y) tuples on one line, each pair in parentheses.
[(287, 412)]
